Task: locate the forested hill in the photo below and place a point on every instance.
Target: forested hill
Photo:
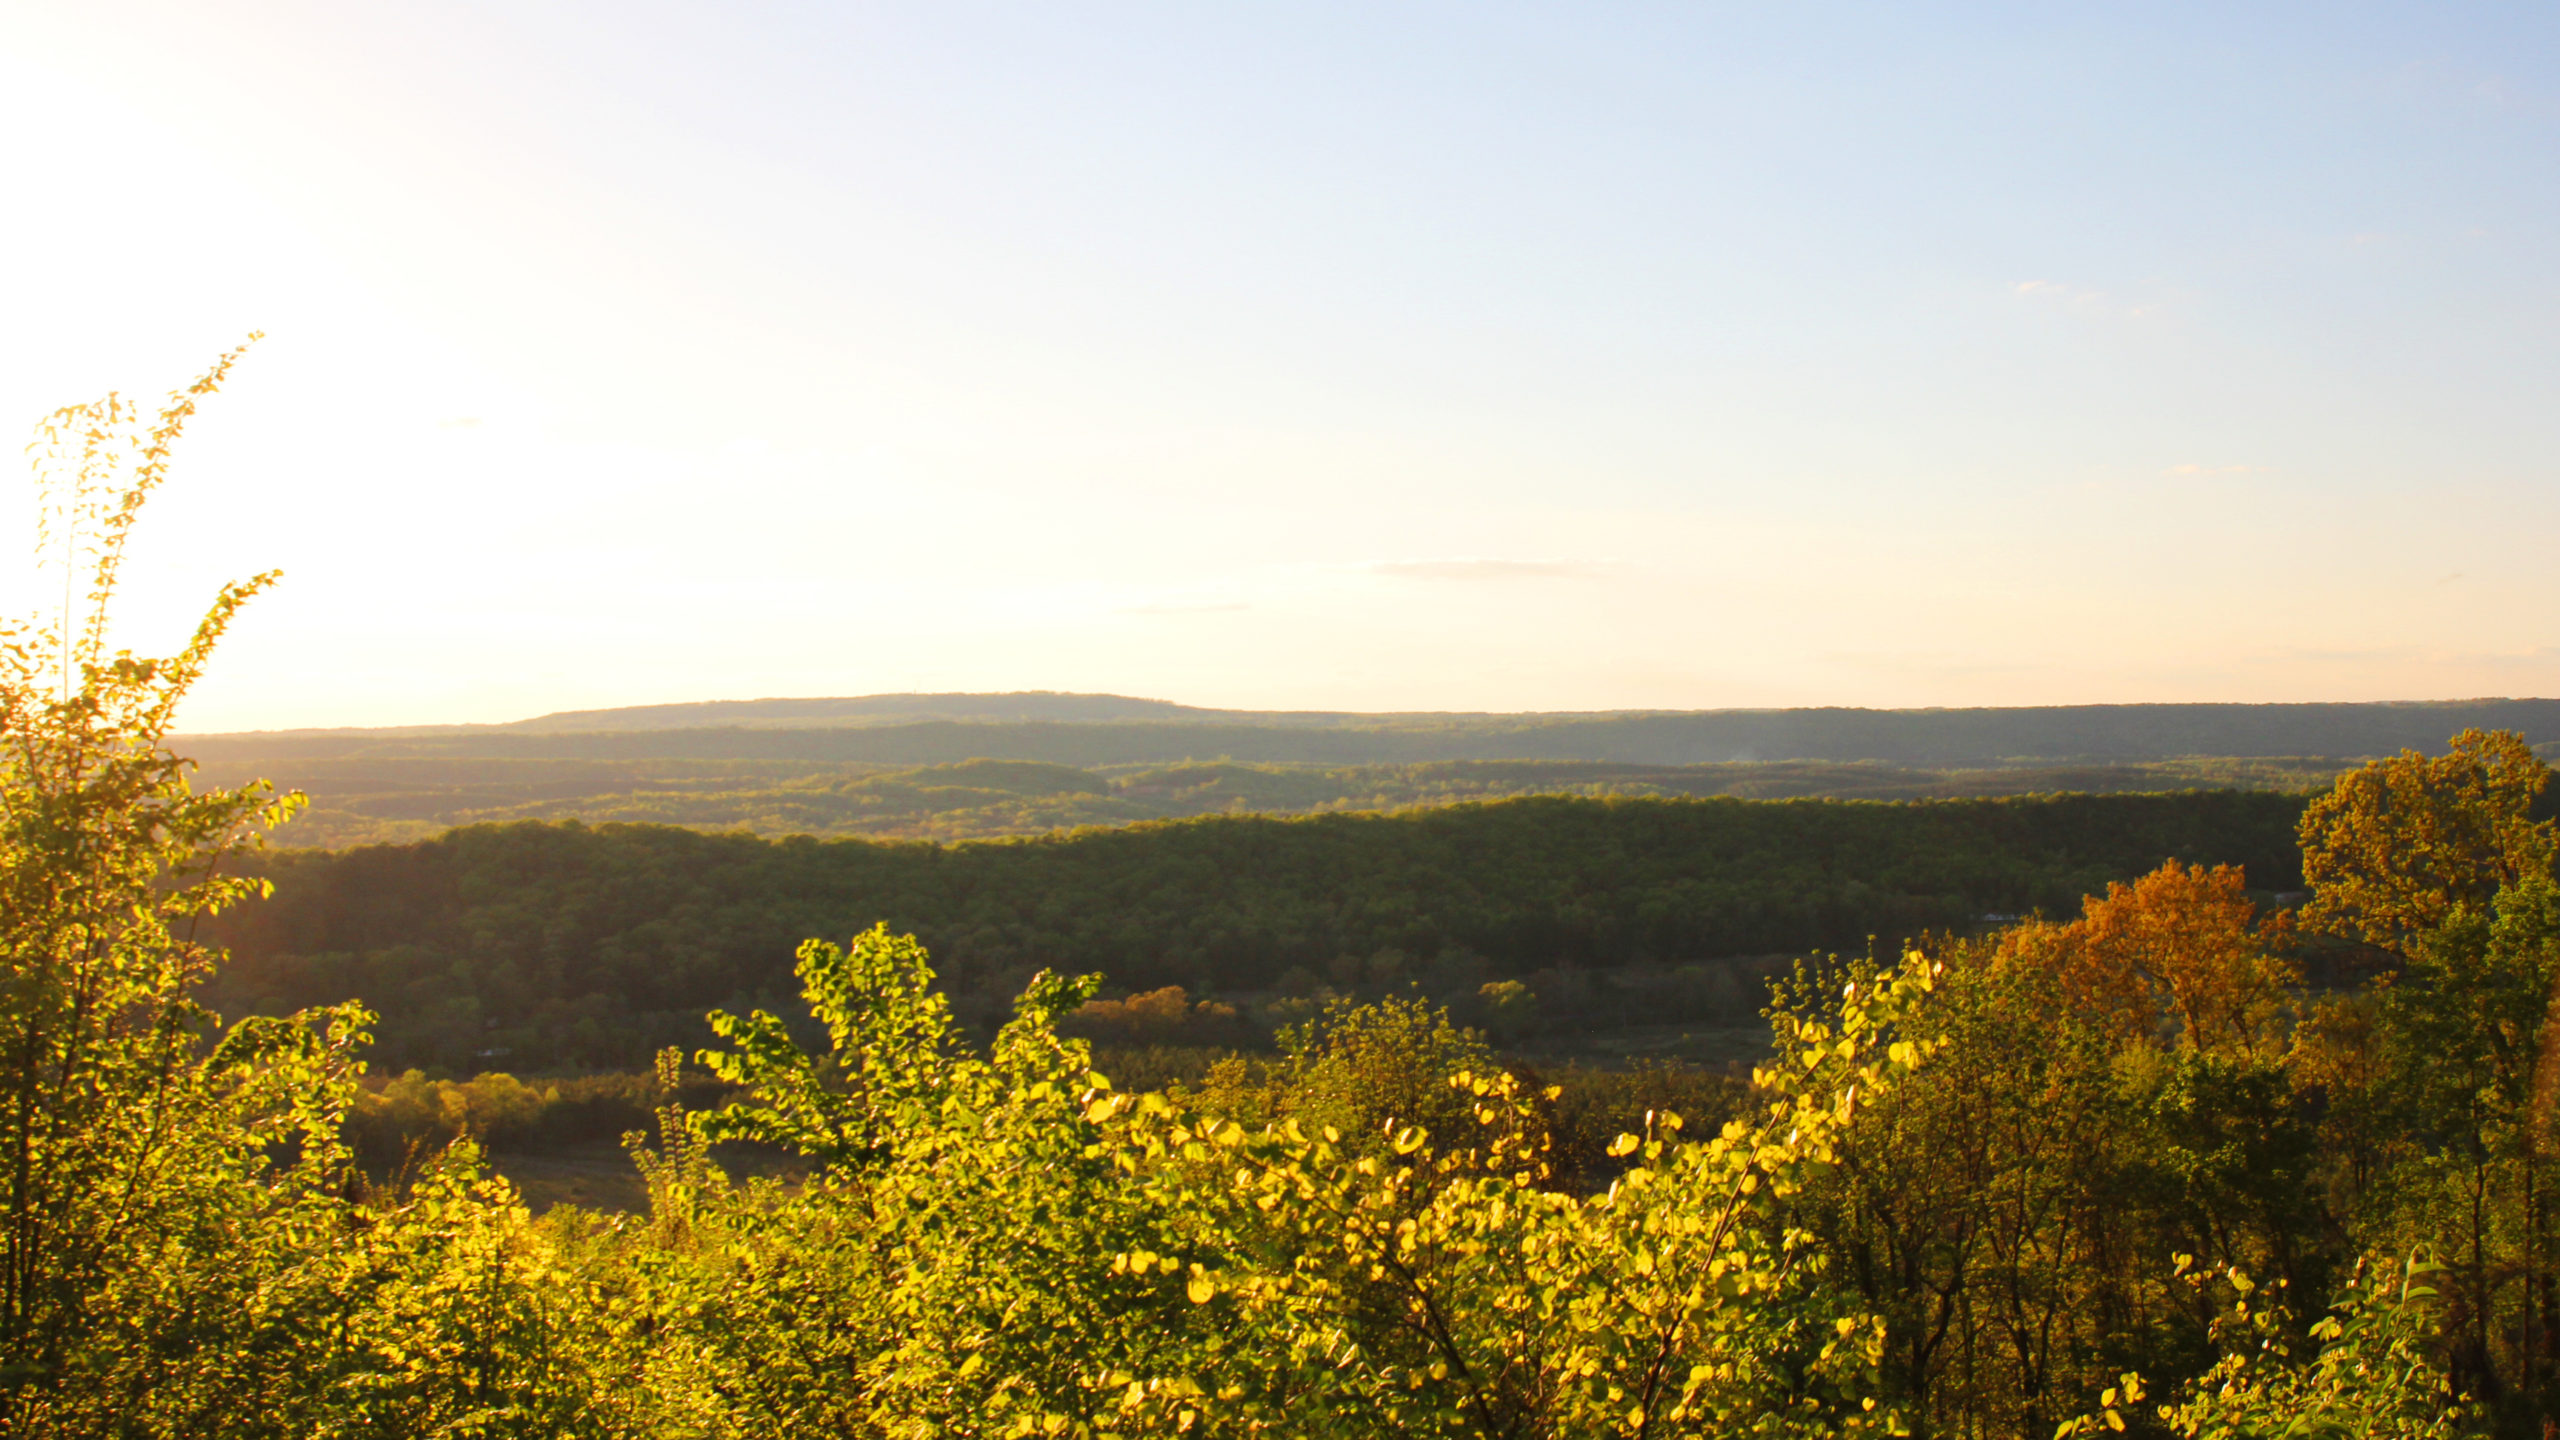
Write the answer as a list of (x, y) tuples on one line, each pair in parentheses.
[(547, 946), (1026, 706)]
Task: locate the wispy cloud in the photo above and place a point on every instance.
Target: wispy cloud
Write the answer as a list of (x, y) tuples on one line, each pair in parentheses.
[(2080, 301), (1937, 666), (1482, 569), (1185, 607), (2542, 660)]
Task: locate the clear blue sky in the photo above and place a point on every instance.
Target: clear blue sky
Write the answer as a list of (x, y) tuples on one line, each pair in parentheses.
[(1359, 356)]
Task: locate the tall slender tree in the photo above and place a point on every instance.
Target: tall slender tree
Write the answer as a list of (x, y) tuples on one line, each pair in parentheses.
[(132, 1128)]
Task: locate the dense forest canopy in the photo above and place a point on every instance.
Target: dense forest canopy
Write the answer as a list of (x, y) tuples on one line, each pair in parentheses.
[(567, 946)]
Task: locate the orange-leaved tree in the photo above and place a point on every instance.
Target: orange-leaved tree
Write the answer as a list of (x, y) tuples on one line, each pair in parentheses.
[(2182, 944)]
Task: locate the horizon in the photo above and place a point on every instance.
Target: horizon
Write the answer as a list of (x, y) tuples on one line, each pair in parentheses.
[(1349, 714), (1441, 360)]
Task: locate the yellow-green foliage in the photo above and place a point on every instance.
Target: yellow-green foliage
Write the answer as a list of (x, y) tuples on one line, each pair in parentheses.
[(139, 1140), (2364, 1369), (1436, 1285), (1029, 1251)]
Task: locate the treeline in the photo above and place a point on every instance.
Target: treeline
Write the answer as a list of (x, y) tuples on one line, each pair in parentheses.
[(543, 947)]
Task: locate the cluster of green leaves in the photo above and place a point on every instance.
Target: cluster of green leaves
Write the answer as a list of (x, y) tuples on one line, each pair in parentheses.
[(2369, 1367), (1024, 1249)]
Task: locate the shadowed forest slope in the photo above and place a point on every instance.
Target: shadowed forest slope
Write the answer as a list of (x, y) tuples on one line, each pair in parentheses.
[(564, 946)]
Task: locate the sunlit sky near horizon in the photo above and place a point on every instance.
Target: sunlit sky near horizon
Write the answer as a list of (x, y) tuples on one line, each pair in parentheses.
[(1554, 357)]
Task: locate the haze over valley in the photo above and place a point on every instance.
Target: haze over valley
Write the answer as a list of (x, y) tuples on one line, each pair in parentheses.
[(975, 766)]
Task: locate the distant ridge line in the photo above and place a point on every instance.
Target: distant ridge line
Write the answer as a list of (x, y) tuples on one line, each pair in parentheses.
[(1111, 729), (1069, 707)]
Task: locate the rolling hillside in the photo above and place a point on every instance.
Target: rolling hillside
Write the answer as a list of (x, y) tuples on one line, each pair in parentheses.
[(945, 767)]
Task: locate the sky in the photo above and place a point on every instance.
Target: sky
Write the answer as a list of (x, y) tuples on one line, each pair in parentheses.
[(1359, 356)]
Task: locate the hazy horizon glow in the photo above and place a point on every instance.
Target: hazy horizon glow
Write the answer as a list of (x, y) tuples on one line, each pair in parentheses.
[(1314, 357)]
